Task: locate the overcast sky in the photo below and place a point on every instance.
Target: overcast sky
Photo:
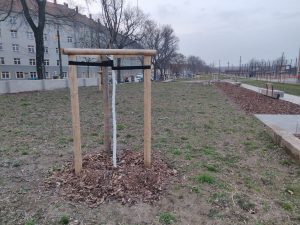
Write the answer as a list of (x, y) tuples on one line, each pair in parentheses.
[(228, 29)]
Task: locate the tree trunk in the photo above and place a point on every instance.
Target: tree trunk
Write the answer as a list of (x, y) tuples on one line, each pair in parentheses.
[(39, 43), (155, 72), (161, 74), (38, 31), (119, 80)]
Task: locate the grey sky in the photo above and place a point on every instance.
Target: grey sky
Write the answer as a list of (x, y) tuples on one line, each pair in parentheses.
[(226, 29)]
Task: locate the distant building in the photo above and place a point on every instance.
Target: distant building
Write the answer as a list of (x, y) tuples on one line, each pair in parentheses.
[(17, 45)]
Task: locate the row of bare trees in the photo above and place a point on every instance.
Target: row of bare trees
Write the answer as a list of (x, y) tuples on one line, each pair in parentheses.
[(130, 26), (191, 65), (119, 26)]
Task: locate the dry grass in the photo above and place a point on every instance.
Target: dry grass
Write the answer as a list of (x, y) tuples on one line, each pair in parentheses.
[(231, 171)]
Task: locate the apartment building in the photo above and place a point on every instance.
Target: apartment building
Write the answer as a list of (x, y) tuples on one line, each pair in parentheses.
[(17, 45)]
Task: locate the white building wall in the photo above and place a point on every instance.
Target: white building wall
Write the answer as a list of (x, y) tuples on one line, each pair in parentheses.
[(66, 30)]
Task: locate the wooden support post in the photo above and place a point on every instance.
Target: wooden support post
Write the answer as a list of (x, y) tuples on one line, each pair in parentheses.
[(75, 115), (147, 113), (106, 110)]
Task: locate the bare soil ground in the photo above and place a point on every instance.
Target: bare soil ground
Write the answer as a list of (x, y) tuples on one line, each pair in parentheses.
[(230, 170), (253, 102)]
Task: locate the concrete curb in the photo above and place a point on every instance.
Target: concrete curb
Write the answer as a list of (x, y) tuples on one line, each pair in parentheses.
[(286, 140)]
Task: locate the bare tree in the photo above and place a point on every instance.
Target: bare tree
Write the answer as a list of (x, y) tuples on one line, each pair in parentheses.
[(124, 25), (152, 40), (196, 65), (178, 64), (162, 39), (169, 45)]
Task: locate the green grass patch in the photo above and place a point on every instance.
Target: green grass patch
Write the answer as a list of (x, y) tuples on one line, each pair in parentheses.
[(286, 206), (166, 218), (205, 178), (120, 126), (176, 151), (209, 151), (64, 219), (30, 222), (211, 168)]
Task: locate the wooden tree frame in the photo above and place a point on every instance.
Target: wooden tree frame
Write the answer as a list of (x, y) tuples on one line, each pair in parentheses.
[(119, 53)]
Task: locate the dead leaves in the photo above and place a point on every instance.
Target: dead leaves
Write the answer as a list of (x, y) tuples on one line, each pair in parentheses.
[(252, 102), (99, 182)]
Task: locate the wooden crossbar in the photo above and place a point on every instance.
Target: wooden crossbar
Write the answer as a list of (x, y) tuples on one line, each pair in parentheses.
[(114, 52)]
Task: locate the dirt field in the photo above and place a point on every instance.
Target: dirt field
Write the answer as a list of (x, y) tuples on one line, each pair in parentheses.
[(230, 171)]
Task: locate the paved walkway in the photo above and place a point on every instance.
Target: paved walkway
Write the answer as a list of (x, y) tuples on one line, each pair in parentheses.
[(287, 97), (290, 123)]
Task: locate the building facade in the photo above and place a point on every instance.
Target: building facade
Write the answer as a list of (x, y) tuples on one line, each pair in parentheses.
[(72, 30)]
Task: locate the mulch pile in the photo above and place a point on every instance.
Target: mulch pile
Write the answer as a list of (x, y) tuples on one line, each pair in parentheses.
[(253, 102), (100, 182)]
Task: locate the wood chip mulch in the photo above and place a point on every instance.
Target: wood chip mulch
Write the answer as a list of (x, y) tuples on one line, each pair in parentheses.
[(100, 182), (253, 102)]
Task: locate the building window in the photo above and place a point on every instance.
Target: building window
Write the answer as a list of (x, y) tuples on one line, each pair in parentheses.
[(57, 51), (17, 61), (29, 35), (65, 74), (0, 32), (5, 75), (32, 62), (45, 37), (70, 39), (30, 48), (46, 62), (46, 50), (13, 20), (1, 46), (13, 33), (47, 74), (20, 75), (33, 75), (15, 47), (57, 62), (2, 60)]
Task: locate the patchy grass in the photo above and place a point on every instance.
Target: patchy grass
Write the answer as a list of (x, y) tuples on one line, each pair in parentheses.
[(166, 218), (237, 175), (64, 219), (293, 89), (30, 222), (204, 178)]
